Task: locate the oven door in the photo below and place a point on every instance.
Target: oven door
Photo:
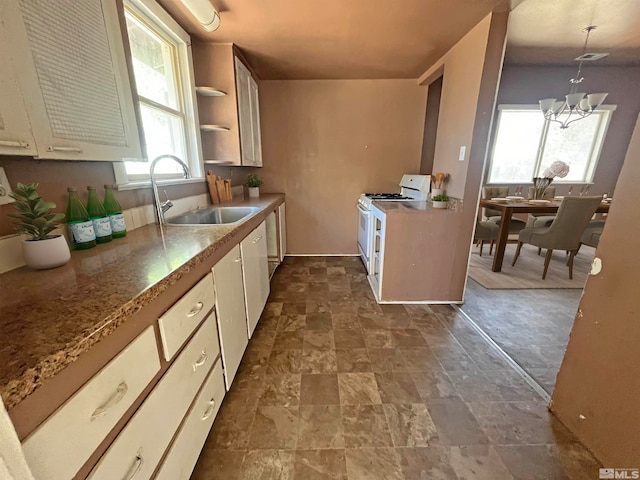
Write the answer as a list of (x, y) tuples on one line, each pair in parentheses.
[(364, 236)]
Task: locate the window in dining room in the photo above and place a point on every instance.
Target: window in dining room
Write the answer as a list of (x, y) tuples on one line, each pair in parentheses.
[(525, 144)]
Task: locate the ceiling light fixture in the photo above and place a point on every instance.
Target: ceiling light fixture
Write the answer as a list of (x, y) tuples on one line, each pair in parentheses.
[(577, 105), (204, 12)]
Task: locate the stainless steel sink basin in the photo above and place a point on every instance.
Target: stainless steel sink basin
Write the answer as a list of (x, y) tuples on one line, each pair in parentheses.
[(213, 216)]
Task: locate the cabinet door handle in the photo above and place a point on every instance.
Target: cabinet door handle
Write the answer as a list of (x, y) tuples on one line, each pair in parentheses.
[(238, 260), (113, 400), (207, 413), (15, 144), (195, 310), (135, 467), (201, 361), (258, 239), (51, 148)]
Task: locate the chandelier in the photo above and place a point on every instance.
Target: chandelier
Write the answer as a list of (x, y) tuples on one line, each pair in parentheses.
[(577, 105)]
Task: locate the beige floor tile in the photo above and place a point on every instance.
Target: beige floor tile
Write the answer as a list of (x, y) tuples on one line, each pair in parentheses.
[(320, 389), (358, 388)]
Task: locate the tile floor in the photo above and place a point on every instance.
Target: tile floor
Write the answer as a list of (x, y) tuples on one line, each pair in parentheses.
[(531, 325), (335, 386)]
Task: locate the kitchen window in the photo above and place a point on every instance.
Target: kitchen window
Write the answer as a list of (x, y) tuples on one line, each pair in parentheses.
[(162, 68), (525, 144)]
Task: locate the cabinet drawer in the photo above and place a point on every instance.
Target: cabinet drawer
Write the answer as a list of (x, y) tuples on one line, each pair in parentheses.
[(58, 448), (136, 452), (186, 449), (186, 314)]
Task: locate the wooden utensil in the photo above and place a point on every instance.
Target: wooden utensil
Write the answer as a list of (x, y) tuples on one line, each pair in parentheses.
[(220, 187), (227, 188), (211, 184)]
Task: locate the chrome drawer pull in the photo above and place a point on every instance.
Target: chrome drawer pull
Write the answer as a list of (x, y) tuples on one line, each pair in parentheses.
[(118, 395), (201, 361), (51, 148), (195, 310), (207, 413), (135, 468), (238, 260), (11, 143), (258, 239)]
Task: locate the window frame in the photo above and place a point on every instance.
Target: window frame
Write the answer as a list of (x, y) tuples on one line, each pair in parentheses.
[(154, 17), (595, 151)]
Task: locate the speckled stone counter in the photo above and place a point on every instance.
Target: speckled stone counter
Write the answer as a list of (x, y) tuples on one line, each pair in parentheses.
[(49, 318), (401, 206)]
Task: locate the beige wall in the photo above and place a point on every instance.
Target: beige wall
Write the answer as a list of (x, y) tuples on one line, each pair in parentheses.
[(327, 141), (528, 84), (471, 77), (599, 374), (462, 67)]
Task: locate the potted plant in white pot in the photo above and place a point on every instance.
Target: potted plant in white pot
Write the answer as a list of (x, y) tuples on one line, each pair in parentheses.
[(253, 183), (36, 220), (440, 201)]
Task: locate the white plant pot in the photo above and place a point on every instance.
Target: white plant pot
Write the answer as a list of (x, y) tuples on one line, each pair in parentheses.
[(254, 192), (437, 191), (440, 204), (43, 254)]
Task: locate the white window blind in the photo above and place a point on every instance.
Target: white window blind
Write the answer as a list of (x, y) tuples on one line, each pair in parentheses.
[(70, 48)]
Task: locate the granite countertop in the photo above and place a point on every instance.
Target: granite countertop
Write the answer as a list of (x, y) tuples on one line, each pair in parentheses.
[(402, 206), (49, 317)]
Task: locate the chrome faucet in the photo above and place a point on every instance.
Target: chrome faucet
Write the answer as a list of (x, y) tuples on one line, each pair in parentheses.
[(162, 207)]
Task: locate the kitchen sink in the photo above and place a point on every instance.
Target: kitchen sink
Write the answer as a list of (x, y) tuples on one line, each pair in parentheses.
[(213, 216)]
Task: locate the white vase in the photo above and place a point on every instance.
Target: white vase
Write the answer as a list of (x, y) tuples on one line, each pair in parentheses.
[(440, 204), (254, 192), (437, 191), (43, 254)]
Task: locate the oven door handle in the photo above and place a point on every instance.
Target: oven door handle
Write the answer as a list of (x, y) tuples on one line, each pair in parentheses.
[(361, 209)]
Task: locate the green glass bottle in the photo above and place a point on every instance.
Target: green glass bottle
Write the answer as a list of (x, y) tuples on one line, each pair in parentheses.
[(80, 225), (99, 217), (114, 210)]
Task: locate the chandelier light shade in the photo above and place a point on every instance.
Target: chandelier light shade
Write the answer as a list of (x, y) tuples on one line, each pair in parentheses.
[(576, 105)]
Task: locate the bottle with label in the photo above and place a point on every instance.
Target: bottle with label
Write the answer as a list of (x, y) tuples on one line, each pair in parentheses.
[(114, 210), (80, 225), (99, 217)]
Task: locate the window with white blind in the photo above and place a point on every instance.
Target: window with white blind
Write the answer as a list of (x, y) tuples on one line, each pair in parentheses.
[(525, 144), (162, 67)]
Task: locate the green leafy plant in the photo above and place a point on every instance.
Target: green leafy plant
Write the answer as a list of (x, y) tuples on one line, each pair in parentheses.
[(253, 181), (35, 216), (440, 198)]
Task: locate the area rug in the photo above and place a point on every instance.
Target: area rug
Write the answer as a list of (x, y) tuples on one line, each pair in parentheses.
[(527, 272)]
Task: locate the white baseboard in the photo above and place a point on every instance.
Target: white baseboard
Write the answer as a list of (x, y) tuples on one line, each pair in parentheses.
[(322, 255)]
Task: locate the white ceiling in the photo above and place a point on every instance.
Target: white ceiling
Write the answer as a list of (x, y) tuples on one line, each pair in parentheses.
[(549, 32)]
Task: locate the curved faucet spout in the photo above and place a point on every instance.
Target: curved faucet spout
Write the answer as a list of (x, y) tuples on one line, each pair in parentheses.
[(162, 207)]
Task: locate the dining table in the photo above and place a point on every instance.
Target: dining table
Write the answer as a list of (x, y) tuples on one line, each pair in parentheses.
[(511, 207)]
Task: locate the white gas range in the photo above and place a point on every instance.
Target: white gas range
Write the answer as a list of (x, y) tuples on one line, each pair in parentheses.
[(413, 188)]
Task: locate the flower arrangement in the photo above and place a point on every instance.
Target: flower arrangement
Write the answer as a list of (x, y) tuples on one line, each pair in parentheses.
[(556, 169)]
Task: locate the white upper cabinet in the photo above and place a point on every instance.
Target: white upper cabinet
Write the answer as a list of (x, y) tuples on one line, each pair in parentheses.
[(248, 116), (15, 130), (70, 64)]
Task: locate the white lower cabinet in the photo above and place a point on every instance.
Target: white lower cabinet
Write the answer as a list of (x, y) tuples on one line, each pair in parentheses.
[(282, 231), (60, 446), (184, 452), (230, 307), (255, 272), (136, 452)]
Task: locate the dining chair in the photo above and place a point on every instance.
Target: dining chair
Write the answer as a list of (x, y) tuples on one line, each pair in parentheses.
[(540, 219), (485, 231), (495, 216), (564, 233), (591, 234)]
